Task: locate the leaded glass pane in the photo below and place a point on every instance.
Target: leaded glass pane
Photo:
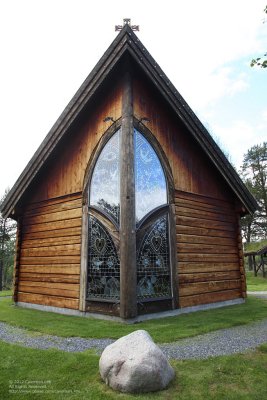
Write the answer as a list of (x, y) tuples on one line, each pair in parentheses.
[(153, 272), (105, 182), (103, 264), (150, 182)]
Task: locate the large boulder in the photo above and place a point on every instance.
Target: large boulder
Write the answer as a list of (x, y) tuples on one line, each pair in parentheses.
[(135, 364)]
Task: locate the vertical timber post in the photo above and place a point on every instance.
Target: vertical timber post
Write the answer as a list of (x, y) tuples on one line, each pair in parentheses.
[(128, 279), (84, 250), (173, 257)]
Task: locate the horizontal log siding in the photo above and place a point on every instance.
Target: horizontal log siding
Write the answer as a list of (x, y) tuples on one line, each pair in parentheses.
[(49, 265), (208, 250)]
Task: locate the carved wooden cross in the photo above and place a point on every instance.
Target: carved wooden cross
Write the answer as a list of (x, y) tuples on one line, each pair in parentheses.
[(127, 21)]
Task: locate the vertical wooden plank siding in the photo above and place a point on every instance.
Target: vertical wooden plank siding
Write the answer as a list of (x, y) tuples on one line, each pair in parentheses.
[(49, 271), (128, 298), (207, 250)]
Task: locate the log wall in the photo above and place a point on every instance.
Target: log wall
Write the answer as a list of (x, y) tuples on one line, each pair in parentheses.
[(49, 271), (207, 250)]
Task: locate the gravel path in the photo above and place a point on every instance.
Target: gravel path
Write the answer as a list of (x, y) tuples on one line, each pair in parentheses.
[(225, 341), (260, 295), (222, 342), (36, 340)]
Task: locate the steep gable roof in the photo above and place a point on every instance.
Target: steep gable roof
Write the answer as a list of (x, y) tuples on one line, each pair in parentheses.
[(127, 42)]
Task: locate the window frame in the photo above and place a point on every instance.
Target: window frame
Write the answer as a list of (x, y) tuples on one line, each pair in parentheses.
[(151, 216)]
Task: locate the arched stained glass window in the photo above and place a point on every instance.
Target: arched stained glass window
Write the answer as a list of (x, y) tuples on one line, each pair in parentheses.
[(105, 182), (153, 268), (150, 181), (152, 256), (103, 281)]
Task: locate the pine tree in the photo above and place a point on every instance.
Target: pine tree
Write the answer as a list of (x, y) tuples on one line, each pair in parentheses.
[(254, 172)]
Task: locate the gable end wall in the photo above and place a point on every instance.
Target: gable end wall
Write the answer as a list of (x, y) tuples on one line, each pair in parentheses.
[(209, 249)]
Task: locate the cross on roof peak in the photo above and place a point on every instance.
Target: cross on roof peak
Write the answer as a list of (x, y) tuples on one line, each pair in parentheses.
[(127, 21)]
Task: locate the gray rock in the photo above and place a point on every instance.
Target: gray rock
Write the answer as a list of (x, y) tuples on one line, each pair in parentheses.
[(135, 364)]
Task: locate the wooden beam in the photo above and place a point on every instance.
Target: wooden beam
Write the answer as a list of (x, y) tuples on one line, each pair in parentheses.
[(173, 258), (128, 280), (84, 252)]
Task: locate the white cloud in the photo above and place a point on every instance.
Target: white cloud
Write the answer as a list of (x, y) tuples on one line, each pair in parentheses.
[(239, 136), (203, 92), (49, 47), (237, 84)]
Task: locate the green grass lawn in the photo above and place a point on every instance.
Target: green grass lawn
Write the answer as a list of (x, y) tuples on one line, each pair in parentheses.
[(162, 330), (53, 374), (256, 283), (60, 375), (4, 293)]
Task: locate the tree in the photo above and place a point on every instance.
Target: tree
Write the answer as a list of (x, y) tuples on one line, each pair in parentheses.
[(254, 173), (248, 226), (260, 61), (7, 248)]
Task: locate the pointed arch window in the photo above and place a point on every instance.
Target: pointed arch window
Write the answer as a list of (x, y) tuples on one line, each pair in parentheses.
[(152, 223), (103, 278), (152, 258), (105, 183), (150, 181)]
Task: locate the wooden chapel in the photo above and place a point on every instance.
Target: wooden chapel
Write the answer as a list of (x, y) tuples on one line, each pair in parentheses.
[(128, 207)]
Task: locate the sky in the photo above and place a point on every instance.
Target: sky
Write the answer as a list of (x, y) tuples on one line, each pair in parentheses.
[(48, 47)]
